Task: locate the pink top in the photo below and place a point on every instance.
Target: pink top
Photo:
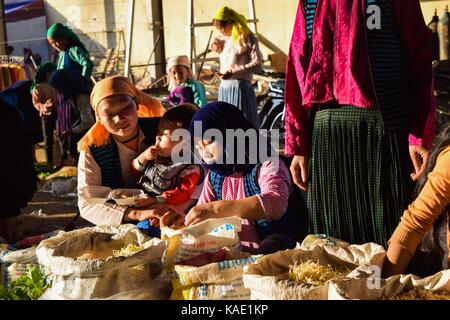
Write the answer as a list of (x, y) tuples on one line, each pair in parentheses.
[(275, 182), (243, 61)]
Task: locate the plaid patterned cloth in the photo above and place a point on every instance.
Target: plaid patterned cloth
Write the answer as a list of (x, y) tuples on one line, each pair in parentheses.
[(359, 176)]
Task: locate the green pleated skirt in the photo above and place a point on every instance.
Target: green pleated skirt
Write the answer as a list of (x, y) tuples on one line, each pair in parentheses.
[(359, 176)]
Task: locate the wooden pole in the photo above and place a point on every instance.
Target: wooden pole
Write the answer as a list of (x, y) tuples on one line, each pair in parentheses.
[(129, 38)]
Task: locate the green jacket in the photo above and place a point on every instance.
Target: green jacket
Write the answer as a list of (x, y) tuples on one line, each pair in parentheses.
[(198, 90), (78, 56)]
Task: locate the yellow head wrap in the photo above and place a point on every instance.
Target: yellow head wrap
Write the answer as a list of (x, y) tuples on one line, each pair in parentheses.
[(239, 22)]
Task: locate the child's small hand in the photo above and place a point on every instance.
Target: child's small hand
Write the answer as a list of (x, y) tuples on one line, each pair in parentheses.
[(144, 202), (172, 219), (149, 154), (154, 222)]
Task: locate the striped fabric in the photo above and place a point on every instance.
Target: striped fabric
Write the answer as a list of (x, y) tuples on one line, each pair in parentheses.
[(216, 181), (358, 186), (310, 10), (389, 69), (251, 186), (107, 157)]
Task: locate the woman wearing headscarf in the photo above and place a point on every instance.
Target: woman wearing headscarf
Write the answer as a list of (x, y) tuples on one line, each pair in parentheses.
[(74, 85), (73, 55), (180, 75), (240, 57), (242, 183), (118, 136)]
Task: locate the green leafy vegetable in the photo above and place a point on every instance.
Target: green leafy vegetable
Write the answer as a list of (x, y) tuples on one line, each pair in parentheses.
[(29, 286), (44, 169)]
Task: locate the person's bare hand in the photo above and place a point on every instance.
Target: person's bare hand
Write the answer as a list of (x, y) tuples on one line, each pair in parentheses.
[(217, 45), (149, 154), (225, 76), (45, 109), (299, 171), (155, 211), (419, 156), (172, 219), (203, 212)]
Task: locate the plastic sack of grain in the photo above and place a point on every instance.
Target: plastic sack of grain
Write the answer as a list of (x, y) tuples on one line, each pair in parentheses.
[(313, 240), (305, 273), (207, 236), (100, 262), (215, 281), (399, 287)]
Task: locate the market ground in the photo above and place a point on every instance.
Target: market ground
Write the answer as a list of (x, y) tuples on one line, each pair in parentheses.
[(56, 213)]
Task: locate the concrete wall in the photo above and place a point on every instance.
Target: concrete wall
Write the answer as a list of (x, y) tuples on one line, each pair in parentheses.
[(100, 24), (28, 34), (276, 19)]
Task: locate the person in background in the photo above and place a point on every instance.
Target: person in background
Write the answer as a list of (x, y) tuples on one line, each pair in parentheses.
[(32, 59), (161, 177), (181, 95), (18, 173), (74, 59), (359, 113), (428, 211), (180, 75), (108, 148), (45, 101), (240, 57), (74, 112), (19, 96), (73, 55)]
